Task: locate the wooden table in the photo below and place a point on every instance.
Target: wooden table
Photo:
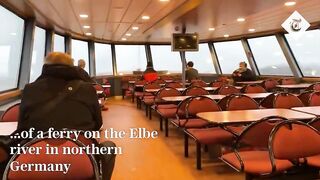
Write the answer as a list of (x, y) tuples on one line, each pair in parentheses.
[(315, 110), (250, 82), (106, 86), (7, 128), (294, 86), (246, 116), (181, 89), (215, 97)]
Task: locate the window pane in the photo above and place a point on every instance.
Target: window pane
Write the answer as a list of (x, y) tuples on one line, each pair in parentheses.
[(11, 40), (80, 51), (202, 59), (130, 58), (230, 54), (306, 49), (166, 60), (37, 53), (269, 56), (103, 59), (58, 45)]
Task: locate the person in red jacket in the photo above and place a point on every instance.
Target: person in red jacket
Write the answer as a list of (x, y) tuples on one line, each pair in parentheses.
[(150, 74)]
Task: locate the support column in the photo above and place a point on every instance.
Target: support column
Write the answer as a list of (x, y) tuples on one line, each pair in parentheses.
[(214, 58), (67, 41), (250, 57), (92, 58), (114, 61), (49, 41)]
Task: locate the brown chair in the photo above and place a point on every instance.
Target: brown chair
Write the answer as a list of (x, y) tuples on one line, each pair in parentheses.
[(241, 102), (314, 99), (267, 102), (286, 101), (138, 91), (195, 91), (253, 88), (305, 97), (11, 114), (295, 141), (314, 87), (218, 84), (251, 152), (287, 81), (270, 84), (199, 83), (226, 90), (174, 85), (147, 97)]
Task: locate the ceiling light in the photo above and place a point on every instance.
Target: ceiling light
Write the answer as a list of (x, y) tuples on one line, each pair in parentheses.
[(145, 17), (226, 35), (123, 39), (135, 27), (290, 3), (86, 27), (88, 34), (251, 30), (84, 15), (211, 29), (241, 19), (164, 0), (128, 34)]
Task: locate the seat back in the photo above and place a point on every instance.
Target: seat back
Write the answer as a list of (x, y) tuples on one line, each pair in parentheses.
[(288, 81), (11, 114), (315, 123), (267, 102), (199, 83), (181, 109), (256, 134), (199, 104), (174, 85), (314, 99), (305, 97), (166, 92), (223, 102), (286, 101), (314, 87), (293, 140), (253, 88), (83, 166), (159, 81), (195, 91), (98, 87), (241, 102), (227, 89), (270, 84), (217, 84)]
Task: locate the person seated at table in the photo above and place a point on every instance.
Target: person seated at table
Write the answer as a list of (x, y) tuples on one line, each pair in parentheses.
[(150, 74), (83, 73), (60, 99), (243, 73), (191, 73)]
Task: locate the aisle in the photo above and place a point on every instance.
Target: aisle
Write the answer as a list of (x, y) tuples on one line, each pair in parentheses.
[(160, 158)]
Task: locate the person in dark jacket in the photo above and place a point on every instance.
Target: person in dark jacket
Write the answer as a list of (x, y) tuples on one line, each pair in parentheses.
[(79, 110), (243, 73), (83, 73), (191, 73), (150, 74)]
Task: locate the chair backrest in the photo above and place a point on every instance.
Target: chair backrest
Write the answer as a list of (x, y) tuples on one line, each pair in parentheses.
[(314, 99), (253, 88), (217, 84), (227, 89), (83, 166), (241, 102), (174, 85), (314, 87), (315, 123), (140, 82), (257, 133), (199, 83), (267, 102), (288, 81), (166, 92), (293, 140), (270, 84), (151, 86), (305, 97), (181, 109), (159, 81), (199, 104), (223, 102), (286, 101), (195, 91), (11, 114), (98, 87)]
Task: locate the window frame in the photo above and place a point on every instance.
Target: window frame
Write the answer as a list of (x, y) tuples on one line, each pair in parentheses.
[(112, 61), (84, 40)]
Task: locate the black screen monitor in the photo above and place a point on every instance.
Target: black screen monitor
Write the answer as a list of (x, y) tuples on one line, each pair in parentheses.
[(185, 42)]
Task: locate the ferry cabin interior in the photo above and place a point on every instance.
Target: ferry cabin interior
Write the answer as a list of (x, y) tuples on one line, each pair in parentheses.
[(213, 127)]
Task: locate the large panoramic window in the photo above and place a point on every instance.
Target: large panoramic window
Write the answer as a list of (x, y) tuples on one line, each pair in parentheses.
[(11, 40), (103, 59), (166, 60), (269, 56), (230, 54), (37, 53), (58, 45), (130, 58), (79, 50), (306, 50), (202, 59)]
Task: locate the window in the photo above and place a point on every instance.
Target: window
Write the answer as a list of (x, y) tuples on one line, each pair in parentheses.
[(37, 53), (79, 50), (230, 54), (202, 59), (103, 59), (130, 58), (306, 49), (58, 45), (269, 56), (11, 40), (166, 60)]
